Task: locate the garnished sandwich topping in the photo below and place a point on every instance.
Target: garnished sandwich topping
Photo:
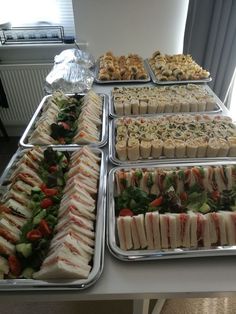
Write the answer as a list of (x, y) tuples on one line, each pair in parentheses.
[(197, 203), (69, 119), (46, 219)]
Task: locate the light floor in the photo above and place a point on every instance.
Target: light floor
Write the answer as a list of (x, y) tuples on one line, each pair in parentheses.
[(172, 306)]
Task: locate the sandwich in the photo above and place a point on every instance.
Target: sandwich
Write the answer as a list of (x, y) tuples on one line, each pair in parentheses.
[(230, 224), (217, 228), (138, 232), (152, 220), (124, 232), (199, 230), (168, 231)]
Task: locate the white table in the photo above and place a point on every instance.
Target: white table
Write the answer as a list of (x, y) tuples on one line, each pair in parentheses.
[(142, 281)]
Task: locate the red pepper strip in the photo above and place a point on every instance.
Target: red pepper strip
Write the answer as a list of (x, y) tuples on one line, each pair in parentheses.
[(50, 192), (44, 228), (34, 235), (46, 202), (215, 195), (126, 212), (157, 202), (14, 265)]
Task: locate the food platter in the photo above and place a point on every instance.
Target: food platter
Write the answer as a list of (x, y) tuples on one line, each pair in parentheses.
[(102, 129), (99, 229), (121, 141), (212, 108), (131, 225), (156, 81), (133, 81)]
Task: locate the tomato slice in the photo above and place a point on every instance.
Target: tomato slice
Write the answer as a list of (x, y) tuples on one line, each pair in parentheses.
[(14, 265), (44, 228), (126, 212), (157, 202), (215, 195), (46, 202), (34, 235), (50, 192)]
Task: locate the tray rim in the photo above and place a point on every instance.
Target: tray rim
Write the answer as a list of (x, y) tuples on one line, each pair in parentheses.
[(145, 255), (218, 103), (99, 249), (36, 115), (156, 81), (115, 161), (96, 80)]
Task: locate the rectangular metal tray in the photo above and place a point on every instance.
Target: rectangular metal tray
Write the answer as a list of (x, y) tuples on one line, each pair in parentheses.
[(96, 80), (24, 140), (98, 258), (113, 158), (145, 255), (156, 81), (218, 106)]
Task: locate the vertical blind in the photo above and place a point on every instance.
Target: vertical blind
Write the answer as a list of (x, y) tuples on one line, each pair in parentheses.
[(39, 12)]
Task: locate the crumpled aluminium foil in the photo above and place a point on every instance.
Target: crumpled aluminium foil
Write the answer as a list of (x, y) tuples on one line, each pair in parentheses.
[(72, 72), (75, 55)]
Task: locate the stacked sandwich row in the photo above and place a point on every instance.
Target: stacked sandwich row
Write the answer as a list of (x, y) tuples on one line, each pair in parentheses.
[(72, 247), (176, 207), (186, 230), (175, 136), (32, 214), (66, 119), (151, 100)]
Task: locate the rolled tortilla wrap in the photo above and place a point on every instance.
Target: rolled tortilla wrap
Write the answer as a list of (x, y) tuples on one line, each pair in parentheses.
[(121, 150), (133, 149)]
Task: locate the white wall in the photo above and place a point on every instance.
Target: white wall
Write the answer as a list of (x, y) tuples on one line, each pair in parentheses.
[(125, 26)]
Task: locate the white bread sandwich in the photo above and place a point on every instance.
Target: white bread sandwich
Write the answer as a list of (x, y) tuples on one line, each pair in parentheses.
[(199, 230), (230, 224), (217, 228), (152, 227), (168, 231), (138, 232), (63, 264), (6, 248), (124, 232)]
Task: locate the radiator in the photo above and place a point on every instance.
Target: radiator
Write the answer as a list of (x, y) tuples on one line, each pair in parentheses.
[(23, 85)]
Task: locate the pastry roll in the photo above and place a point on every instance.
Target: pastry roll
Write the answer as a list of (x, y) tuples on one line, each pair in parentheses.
[(152, 108), (185, 106), (180, 148), (135, 106), (201, 105), (160, 107), (157, 146), (223, 148), (143, 107), (213, 147), (169, 107), (119, 108), (202, 147), (127, 108), (176, 106), (121, 150), (193, 105), (169, 148), (191, 148), (145, 149), (133, 149), (210, 104), (232, 146)]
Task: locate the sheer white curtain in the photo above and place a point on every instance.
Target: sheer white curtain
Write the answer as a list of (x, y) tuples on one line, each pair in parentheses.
[(36, 12)]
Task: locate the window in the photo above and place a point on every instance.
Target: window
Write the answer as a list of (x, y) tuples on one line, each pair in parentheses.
[(39, 12)]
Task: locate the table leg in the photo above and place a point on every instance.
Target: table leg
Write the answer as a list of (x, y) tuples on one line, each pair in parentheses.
[(141, 306), (158, 306)]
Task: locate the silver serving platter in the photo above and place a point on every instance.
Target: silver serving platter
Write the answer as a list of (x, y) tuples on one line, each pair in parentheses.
[(116, 161), (145, 255), (156, 81), (98, 258), (218, 106), (96, 80), (24, 140)]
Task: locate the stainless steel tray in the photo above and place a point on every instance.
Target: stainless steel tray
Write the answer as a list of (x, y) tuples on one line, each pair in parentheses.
[(145, 255), (96, 80), (116, 161), (156, 81), (24, 140), (218, 106), (98, 258)]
